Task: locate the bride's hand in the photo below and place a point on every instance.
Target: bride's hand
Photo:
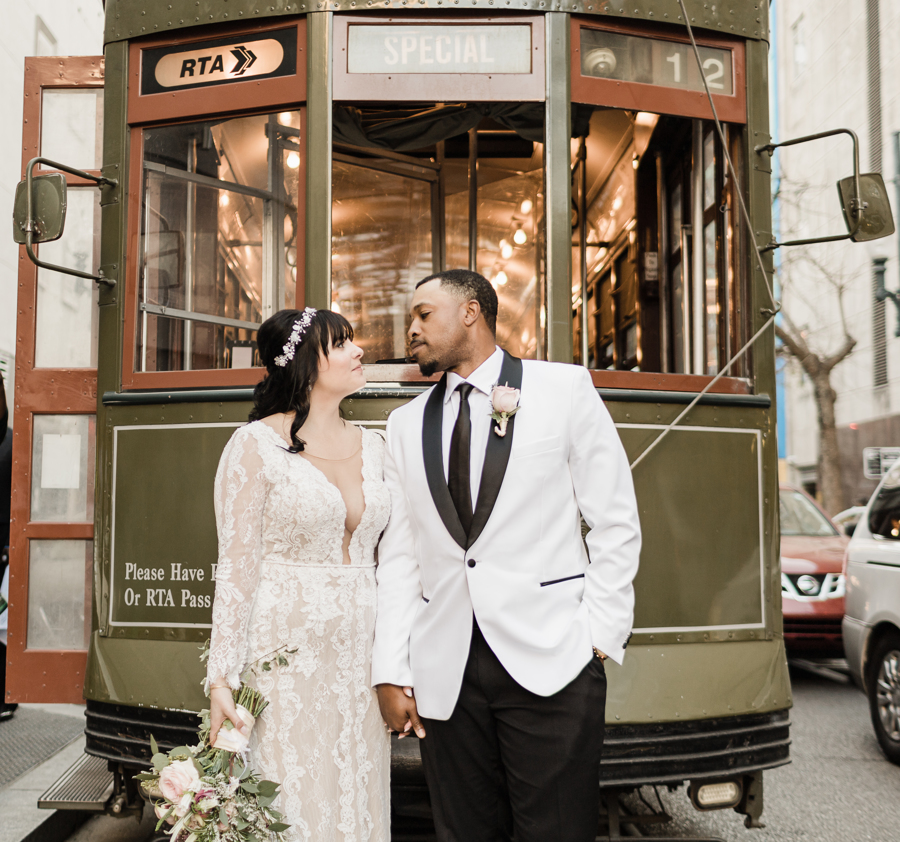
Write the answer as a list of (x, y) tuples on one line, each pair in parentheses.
[(221, 707)]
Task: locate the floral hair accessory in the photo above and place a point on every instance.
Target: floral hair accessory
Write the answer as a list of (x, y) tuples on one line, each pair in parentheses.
[(505, 404), (300, 327)]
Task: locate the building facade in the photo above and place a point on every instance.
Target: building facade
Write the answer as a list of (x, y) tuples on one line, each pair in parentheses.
[(31, 28), (836, 64)]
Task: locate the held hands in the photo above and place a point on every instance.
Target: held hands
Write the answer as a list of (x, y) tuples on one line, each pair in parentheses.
[(221, 707), (398, 707)]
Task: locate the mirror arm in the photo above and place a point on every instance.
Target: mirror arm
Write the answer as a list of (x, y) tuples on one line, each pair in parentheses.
[(857, 199), (100, 180)]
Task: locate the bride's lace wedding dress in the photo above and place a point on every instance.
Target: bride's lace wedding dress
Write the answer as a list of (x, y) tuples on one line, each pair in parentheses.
[(283, 577)]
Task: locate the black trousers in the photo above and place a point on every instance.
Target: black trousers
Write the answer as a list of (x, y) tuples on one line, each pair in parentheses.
[(509, 764)]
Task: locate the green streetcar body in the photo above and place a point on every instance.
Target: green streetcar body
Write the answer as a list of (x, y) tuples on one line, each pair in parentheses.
[(708, 647)]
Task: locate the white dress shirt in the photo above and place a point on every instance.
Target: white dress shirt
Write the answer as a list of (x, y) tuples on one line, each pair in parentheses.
[(483, 379)]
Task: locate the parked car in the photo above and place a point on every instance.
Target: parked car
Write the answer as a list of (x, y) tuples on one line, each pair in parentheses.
[(846, 520), (872, 621), (812, 579)]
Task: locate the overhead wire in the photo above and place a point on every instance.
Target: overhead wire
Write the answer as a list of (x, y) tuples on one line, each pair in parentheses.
[(745, 214)]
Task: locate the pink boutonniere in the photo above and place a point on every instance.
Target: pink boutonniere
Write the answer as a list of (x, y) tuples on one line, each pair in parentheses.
[(505, 404)]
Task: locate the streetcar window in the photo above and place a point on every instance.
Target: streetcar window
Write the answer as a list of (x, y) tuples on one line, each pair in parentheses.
[(799, 516), (654, 274), (398, 216), (66, 324), (59, 587), (219, 234)]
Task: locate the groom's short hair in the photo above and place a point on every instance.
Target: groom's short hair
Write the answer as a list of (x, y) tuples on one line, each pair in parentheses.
[(469, 285)]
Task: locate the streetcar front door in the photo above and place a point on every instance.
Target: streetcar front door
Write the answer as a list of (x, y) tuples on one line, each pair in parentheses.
[(54, 415)]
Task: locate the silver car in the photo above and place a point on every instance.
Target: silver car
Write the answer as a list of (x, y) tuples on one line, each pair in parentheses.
[(871, 626)]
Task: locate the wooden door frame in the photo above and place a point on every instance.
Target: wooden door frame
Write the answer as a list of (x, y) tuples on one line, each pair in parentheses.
[(42, 675)]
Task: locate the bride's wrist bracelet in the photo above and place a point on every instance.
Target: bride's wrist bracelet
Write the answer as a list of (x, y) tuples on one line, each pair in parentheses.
[(219, 687)]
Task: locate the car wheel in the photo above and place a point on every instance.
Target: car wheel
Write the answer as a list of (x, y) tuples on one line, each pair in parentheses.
[(883, 686)]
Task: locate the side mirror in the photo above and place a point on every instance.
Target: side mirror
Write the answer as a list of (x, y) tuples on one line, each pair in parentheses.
[(864, 201), (849, 529), (48, 209), (39, 212), (872, 212)]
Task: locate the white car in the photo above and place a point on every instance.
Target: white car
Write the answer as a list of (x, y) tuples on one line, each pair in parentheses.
[(871, 626)]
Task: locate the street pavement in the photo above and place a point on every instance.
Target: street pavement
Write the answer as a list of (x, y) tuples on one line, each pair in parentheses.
[(839, 786)]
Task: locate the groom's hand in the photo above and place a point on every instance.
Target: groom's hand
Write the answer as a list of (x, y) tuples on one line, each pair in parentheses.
[(399, 710)]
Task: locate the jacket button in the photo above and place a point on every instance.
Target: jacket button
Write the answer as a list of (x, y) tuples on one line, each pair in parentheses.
[(472, 562)]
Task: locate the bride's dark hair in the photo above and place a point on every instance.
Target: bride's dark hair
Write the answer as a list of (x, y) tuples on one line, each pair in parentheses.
[(287, 389)]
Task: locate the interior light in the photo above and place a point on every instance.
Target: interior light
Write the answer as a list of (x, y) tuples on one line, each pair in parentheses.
[(506, 250), (617, 203), (224, 200), (293, 160), (526, 206), (635, 161), (285, 118), (500, 278), (543, 317), (520, 237)]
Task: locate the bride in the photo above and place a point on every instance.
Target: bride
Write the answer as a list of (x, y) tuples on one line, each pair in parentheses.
[(300, 504)]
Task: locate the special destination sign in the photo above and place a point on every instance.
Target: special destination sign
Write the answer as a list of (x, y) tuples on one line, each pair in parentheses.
[(490, 49), (218, 62)]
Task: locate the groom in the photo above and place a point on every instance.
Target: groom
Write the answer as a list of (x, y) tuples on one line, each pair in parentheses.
[(490, 605)]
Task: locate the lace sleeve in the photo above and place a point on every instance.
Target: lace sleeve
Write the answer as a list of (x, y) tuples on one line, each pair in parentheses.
[(240, 496)]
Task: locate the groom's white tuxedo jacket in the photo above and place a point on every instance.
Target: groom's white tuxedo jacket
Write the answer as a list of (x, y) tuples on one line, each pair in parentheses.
[(541, 594)]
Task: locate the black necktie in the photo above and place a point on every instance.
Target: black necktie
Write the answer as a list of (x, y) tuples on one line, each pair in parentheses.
[(458, 473)]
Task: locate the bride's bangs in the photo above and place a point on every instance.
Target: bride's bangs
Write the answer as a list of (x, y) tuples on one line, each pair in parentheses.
[(336, 330)]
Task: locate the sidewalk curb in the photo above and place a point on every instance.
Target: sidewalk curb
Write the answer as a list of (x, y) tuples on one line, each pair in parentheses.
[(20, 818)]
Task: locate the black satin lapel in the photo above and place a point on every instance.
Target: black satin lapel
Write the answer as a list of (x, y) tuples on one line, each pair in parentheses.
[(432, 427), (496, 457)]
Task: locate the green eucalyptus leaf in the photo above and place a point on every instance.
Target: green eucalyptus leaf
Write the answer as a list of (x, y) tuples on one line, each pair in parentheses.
[(268, 787), (279, 827), (154, 748), (266, 666)]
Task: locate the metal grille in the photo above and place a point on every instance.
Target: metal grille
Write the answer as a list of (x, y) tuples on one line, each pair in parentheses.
[(86, 785)]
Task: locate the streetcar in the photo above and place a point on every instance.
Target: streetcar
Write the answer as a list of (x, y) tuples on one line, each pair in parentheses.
[(606, 168)]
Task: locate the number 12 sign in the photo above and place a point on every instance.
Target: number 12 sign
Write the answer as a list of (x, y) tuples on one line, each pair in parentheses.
[(632, 62)]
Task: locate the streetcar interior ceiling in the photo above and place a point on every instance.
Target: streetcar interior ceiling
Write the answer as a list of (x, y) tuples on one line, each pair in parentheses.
[(219, 231)]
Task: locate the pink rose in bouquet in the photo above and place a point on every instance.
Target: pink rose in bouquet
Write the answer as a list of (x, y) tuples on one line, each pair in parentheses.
[(177, 777)]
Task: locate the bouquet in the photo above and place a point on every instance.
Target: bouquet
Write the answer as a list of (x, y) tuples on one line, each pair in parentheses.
[(208, 792)]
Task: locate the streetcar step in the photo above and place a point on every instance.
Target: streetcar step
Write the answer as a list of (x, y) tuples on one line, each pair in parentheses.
[(86, 785)]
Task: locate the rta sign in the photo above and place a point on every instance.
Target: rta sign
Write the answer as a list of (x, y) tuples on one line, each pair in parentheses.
[(245, 60), (219, 62)]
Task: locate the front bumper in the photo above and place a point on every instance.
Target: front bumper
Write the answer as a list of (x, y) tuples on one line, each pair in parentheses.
[(633, 755)]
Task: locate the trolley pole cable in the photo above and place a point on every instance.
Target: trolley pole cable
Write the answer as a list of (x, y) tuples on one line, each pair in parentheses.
[(745, 215)]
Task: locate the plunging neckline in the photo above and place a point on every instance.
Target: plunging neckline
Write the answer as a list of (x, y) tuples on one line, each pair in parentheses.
[(321, 474)]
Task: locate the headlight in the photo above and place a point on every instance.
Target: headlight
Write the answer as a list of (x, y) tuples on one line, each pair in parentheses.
[(715, 796)]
